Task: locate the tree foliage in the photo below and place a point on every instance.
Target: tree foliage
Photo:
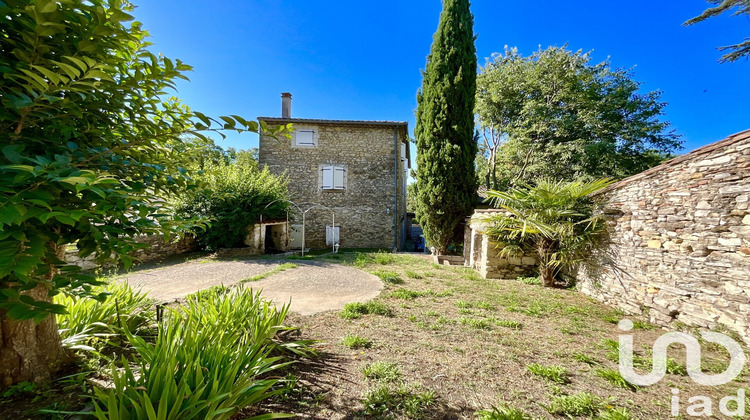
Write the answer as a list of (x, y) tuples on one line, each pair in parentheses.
[(553, 219), (556, 115), (741, 7), (232, 197), (87, 143), (445, 128)]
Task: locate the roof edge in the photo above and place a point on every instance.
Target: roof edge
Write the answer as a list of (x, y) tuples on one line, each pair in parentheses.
[(340, 122), (703, 150)]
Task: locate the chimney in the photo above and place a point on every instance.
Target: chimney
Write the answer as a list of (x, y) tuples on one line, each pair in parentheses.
[(286, 105)]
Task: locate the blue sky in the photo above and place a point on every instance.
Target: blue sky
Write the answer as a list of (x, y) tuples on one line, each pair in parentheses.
[(362, 60)]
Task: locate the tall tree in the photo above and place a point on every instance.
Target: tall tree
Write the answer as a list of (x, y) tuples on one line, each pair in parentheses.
[(556, 115), (85, 158), (445, 128), (736, 51)]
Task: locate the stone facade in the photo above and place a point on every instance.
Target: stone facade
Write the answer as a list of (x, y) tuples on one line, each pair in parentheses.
[(158, 248), (483, 254), (681, 240), (371, 162)]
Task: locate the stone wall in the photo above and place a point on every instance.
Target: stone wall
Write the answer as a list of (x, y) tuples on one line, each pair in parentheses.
[(681, 240), (483, 254), (158, 249), (364, 209)]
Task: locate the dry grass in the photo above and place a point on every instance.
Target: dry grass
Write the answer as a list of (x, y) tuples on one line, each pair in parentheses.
[(468, 341)]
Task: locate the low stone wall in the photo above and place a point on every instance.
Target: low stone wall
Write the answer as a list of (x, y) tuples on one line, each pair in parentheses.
[(159, 248), (681, 240)]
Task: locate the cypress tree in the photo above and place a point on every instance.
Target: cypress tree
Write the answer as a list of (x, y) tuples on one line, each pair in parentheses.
[(444, 133)]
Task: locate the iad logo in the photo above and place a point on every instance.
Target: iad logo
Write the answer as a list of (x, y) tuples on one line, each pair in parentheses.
[(703, 404)]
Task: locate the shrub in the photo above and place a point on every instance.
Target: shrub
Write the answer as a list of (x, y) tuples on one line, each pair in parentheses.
[(122, 308), (232, 197), (553, 218), (207, 361), (557, 374)]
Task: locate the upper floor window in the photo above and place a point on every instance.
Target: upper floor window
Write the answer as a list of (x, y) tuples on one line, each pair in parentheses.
[(305, 137), (334, 177)]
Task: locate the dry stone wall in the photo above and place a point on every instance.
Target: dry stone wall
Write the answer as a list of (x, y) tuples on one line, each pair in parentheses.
[(158, 248), (364, 208), (681, 240)]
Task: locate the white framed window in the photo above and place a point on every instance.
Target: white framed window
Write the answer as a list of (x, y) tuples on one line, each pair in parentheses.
[(333, 235), (305, 136), (333, 177)]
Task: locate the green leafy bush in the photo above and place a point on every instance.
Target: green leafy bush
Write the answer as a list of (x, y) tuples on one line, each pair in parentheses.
[(232, 197), (210, 359), (122, 308)]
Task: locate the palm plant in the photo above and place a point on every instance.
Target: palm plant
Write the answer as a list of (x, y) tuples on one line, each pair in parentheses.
[(553, 218)]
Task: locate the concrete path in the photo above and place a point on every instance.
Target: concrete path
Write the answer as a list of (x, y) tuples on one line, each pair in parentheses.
[(317, 287), (314, 286)]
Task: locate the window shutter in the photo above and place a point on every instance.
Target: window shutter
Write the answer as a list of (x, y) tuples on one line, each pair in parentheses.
[(305, 138), (338, 178), (327, 177)]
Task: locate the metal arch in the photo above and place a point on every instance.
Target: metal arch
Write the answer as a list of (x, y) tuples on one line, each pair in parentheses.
[(304, 213), (333, 223)]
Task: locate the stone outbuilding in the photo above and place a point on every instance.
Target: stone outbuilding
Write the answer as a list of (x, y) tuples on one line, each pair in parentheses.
[(356, 170), (482, 253)]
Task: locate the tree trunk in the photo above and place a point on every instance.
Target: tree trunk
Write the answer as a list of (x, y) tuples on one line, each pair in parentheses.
[(547, 276), (29, 352), (546, 272)]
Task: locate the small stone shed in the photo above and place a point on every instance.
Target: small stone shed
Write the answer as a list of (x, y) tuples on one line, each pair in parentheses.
[(268, 236), (483, 254)]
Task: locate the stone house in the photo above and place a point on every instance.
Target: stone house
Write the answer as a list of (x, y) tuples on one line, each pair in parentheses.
[(353, 171)]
